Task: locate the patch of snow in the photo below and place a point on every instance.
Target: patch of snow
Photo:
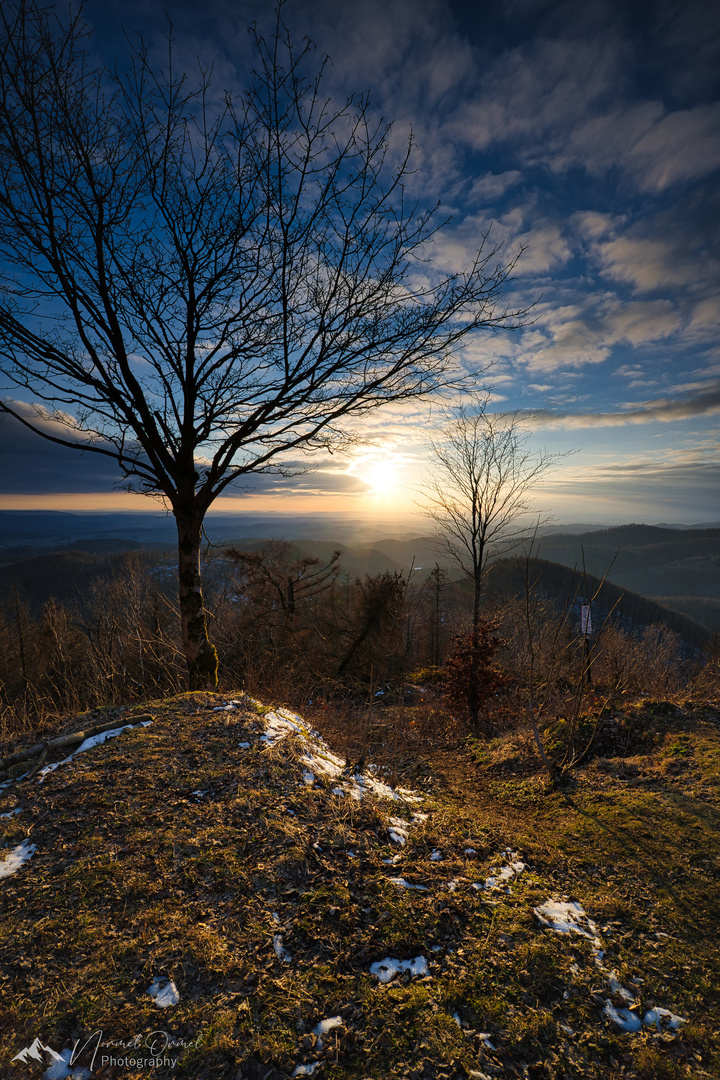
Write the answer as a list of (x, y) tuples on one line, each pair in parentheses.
[(324, 763), (308, 778), (624, 1019), (470, 851), (619, 990), (419, 818), (453, 883), (305, 1070), (398, 831), (499, 877), (164, 992), (201, 793), (485, 1036), (394, 861), (319, 758), (244, 745), (387, 969), (90, 743), (12, 813), (61, 1068), (14, 860), (280, 951), (324, 1027), (567, 917), (435, 856), (456, 1018), (663, 1019), (407, 885)]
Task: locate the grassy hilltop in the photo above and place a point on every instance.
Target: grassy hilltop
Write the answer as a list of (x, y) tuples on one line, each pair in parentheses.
[(240, 867)]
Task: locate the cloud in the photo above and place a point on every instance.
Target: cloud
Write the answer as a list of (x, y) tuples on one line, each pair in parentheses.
[(491, 186), (656, 147), (585, 332), (702, 402), (30, 464), (637, 490), (531, 93)]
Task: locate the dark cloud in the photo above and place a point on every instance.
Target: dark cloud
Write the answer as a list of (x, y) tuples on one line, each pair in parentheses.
[(31, 465)]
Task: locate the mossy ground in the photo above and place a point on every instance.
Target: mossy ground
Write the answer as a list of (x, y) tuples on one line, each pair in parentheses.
[(172, 851)]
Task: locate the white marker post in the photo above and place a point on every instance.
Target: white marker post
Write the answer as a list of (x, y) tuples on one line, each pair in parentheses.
[(586, 631)]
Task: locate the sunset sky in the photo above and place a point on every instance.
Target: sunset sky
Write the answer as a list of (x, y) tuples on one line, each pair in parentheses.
[(587, 134)]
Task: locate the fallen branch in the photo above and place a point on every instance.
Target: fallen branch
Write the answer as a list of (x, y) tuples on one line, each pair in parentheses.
[(62, 741)]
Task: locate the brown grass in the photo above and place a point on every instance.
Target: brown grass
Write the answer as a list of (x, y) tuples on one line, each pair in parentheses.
[(137, 876)]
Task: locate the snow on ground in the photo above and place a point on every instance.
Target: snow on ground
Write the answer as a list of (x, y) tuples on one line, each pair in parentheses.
[(318, 758), (628, 1021), (305, 1070), (568, 917), (164, 992), (387, 969), (11, 814), (324, 1027), (61, 1068), (398, 832), (663, 1019), (280, 950), (499, 876), (407, 885), (14, 860), (88, 744)]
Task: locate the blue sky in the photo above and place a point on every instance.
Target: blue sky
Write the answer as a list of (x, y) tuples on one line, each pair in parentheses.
[(587, 134)]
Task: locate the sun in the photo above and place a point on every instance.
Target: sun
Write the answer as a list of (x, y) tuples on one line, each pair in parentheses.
[(379, 469)]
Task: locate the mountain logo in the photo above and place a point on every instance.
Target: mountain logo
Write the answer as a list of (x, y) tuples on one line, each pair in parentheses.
[(34, 1053)]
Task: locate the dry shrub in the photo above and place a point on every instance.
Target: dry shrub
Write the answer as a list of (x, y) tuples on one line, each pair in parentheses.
[(471, 678)]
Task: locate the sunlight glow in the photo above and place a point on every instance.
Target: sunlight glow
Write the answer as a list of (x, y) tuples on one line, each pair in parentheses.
[(379, 469)]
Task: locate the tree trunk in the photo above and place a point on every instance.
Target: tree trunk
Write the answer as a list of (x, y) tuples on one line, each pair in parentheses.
[(200, 655), (474, 694)]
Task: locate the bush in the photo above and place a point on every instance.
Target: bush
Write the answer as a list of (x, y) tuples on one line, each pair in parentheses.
[(470, 677)]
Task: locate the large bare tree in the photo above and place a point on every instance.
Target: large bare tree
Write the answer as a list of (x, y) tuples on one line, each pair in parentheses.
[(198, 285)]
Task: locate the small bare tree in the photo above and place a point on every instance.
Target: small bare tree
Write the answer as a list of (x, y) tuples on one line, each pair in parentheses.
[(196, 285), (480, 497)]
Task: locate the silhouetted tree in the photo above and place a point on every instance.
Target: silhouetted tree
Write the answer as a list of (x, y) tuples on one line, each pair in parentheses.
[(479, 496), (196, 286)]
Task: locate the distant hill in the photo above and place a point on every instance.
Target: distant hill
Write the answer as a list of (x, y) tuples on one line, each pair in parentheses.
[(625, 608), (678, 568), (680, 565)]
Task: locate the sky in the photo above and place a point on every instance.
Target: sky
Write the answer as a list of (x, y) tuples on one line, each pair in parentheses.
[(586, 138)]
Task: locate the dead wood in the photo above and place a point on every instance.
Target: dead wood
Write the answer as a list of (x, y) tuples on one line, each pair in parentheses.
[(61, 741)]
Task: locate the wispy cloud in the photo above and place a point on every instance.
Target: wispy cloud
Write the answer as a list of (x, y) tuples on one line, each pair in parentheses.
[(702, 402)]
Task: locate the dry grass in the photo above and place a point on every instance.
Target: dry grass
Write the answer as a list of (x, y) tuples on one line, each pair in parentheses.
[(137, 875)]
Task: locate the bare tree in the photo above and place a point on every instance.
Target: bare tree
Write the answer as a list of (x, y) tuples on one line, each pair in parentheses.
[(479, 496), (199, 285)]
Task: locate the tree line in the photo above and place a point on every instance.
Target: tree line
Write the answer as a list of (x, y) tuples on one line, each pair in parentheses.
[(299, 630)]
